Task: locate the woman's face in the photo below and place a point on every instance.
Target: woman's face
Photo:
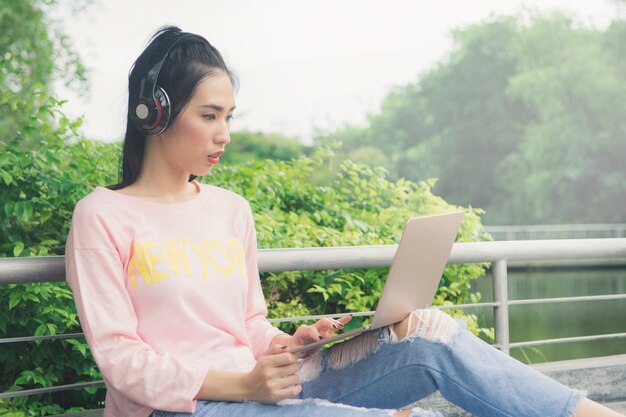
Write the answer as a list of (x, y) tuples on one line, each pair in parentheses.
[(202, 128)]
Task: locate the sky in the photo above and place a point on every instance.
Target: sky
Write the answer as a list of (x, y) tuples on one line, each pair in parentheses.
[(304, 66)]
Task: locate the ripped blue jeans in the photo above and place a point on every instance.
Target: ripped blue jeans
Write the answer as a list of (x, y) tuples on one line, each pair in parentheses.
[(376, 374)]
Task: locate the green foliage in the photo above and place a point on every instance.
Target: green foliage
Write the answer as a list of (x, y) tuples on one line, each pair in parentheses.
[(523, 118), (42, 176), (33, 53), (247, 146), (570, 164)]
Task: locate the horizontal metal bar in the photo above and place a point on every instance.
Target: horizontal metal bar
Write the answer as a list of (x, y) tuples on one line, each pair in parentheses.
[(45, 337), (52, 268), (319, 316), (539, 250), (568, 299), (31, 269), (371, 313), (557, 228), (567, 340), (34, 391), (463, 306)]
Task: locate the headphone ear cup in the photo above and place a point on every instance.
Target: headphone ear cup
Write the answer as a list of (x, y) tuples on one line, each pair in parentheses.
[(163, 106)]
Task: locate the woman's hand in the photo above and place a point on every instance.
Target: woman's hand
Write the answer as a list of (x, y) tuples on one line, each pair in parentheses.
[(274, 376), (322, 329)]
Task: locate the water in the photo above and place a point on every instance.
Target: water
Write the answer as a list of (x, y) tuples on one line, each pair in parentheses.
[(557, 320)]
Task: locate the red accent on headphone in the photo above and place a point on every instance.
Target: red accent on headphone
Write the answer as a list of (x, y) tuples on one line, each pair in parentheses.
[(159, 114)]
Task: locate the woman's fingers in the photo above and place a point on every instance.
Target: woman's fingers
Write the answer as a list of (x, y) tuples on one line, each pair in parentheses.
[(345, 319), (322, 329), (289, 381), (284, 359), (274, 376), (289, 391), (327, 326), (307, 334), (275, 349), (287, 370)]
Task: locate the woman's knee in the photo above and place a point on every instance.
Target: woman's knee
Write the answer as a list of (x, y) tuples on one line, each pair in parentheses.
[(339, 356), (429, 323)]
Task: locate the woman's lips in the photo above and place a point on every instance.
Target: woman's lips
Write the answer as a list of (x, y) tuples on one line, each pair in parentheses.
[(215, 158)]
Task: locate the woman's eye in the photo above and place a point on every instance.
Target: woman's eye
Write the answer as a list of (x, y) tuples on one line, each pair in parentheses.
[(212, 117)]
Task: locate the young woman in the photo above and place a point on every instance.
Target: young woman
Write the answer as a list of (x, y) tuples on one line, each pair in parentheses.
[(165, 279)]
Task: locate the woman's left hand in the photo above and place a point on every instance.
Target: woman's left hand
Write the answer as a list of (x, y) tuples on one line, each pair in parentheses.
[(322, 329)]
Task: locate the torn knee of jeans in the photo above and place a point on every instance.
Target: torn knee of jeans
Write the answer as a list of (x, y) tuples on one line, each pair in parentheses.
[(322, 403), (310, 368), (319, 402), (420, 412), (339, 356), (428, 323), (353, 350)]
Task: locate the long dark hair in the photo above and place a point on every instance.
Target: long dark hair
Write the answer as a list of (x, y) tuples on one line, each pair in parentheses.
[(188, 63)]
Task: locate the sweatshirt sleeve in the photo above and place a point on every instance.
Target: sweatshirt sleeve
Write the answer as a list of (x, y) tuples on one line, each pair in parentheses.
[(260, 330), (95, 274)]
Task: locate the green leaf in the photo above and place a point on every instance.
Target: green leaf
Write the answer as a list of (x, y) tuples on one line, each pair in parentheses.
[(18, 248), (14, 299), (41, 330), (27, 210), (6, 177), (8, 208)]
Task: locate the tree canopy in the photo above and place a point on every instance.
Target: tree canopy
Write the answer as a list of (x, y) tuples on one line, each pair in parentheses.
[(34, 52), (524, 118)]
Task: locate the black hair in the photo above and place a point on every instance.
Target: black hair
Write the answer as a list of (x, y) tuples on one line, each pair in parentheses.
[(187, 64)]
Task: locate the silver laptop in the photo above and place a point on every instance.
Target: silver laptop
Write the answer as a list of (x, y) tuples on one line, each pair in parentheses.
[(414, 274)]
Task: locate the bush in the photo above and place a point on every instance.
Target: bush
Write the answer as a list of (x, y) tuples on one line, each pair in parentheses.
[(357, 207), (42, 176)]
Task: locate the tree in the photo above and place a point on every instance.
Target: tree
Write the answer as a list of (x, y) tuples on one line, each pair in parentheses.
[(455, 118), (33, 53), (523, 118), (570, 165)]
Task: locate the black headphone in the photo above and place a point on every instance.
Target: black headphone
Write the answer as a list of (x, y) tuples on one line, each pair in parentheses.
[(151, 110)]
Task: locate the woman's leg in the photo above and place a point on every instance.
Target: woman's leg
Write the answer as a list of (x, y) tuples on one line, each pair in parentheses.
[(432, 351), (588, 408)]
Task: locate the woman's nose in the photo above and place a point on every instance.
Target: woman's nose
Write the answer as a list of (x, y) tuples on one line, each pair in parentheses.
[(223, 136)]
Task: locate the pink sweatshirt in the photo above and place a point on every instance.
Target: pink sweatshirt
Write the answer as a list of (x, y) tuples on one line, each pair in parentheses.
[(164, 293)]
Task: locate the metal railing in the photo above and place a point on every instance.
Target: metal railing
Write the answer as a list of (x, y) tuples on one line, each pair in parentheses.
[(557, 231), (49, 269)]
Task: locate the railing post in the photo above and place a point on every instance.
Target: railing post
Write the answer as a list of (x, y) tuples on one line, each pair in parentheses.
[(501, 311)]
